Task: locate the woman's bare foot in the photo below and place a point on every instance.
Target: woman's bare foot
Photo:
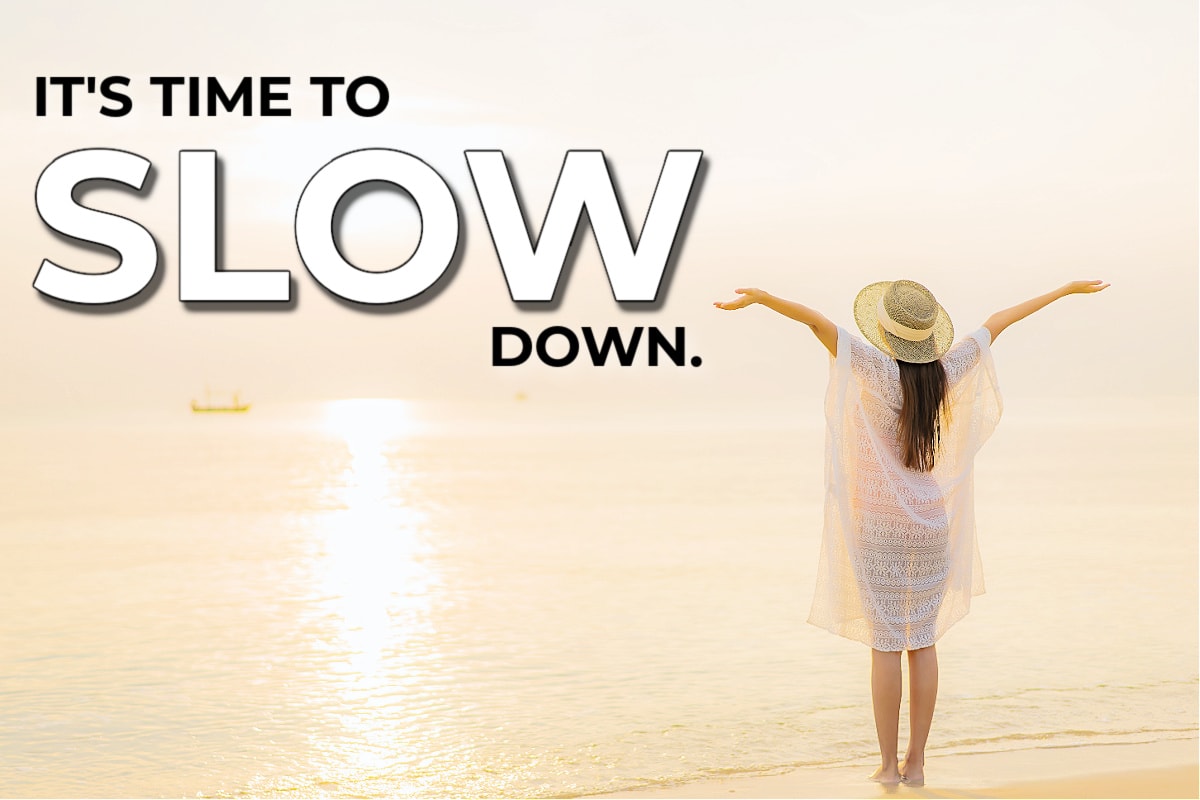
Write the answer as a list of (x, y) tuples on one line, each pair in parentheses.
[(913, 772), (887, 775)]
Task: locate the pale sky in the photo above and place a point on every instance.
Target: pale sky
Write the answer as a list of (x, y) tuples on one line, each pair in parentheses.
[(991, 151)]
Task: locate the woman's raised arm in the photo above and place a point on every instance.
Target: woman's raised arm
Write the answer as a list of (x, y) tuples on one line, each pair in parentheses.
[(1002, 319), (825, 330)]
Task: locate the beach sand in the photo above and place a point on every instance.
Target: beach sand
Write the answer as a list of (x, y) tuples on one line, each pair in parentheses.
[(1156, 769)]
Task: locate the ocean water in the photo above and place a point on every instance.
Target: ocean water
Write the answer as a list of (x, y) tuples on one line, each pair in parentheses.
[(384, 598)]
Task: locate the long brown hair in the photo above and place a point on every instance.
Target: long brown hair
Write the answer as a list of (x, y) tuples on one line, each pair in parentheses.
[(924, 390)]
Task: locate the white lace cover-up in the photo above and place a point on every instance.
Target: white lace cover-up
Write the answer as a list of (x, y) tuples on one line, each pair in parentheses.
[(899, 562)]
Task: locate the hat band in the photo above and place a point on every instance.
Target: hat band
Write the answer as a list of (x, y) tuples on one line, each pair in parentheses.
[(896, 329)]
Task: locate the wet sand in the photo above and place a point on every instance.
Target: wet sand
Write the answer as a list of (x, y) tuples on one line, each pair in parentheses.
[(1157, 769)]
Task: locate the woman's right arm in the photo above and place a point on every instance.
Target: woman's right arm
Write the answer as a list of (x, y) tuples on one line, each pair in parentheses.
[(1002, 319), (824, 330)]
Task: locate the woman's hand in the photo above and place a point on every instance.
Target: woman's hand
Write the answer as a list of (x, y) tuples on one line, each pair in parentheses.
[(748, 298), (1084, 287)]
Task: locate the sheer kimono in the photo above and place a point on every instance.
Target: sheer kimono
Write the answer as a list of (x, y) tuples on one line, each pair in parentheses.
[(899, 562)]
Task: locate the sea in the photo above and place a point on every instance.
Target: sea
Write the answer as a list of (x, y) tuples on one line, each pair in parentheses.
[(392, 598)]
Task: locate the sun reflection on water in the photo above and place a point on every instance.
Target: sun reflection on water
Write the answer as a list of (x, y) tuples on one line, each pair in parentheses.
[(372, 588)]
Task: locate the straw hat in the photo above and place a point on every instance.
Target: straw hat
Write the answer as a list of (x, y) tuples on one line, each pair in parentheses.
[(903, 319)]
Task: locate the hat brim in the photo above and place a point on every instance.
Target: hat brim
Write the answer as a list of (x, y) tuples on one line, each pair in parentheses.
[(866, 315)]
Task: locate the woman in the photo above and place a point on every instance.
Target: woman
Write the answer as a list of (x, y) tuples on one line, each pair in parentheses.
[(905, 415)]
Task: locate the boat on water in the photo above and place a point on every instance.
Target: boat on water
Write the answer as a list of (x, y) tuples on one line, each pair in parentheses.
[(207, 407)]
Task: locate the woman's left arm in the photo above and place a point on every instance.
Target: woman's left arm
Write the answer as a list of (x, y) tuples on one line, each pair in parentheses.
[(1002, 319), (824, 330)]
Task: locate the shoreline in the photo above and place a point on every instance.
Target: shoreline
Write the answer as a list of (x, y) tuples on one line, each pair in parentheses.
[(1163, 769)]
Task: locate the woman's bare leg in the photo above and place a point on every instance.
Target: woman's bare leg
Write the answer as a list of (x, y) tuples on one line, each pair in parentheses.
[(885, 697), (922, 695)]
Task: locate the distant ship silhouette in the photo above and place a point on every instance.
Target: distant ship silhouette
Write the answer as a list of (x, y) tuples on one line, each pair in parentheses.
[(208, 408)]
